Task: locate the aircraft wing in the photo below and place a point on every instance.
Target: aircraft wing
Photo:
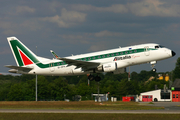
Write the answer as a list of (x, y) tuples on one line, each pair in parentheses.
[(19, 68), (77, 63)]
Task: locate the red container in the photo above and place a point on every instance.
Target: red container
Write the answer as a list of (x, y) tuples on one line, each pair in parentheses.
[(175, 96), (127, 99)]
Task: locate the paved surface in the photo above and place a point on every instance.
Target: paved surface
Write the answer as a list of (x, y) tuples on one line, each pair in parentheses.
[(175, 106), (170, 108), (90, 111)]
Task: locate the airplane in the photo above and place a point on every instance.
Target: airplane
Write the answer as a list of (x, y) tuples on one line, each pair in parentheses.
[(114, 60)]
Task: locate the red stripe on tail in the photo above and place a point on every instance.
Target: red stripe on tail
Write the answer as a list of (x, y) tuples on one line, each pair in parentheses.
[(25, 59)]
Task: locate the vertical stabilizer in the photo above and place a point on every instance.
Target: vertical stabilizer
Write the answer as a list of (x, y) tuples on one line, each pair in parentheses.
[(23, 56)]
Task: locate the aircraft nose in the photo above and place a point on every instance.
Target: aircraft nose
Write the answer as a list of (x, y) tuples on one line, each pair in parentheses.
[(173, 53)]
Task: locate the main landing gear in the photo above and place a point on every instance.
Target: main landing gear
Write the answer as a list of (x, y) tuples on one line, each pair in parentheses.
[(152, 65), (97, 78)]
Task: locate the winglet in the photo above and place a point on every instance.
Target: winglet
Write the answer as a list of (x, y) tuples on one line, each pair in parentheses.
[(54, 54)]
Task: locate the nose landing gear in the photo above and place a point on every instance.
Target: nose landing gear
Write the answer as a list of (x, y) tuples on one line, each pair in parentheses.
[(152, 65)]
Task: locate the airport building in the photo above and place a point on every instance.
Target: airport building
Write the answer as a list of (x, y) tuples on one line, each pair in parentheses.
[(176, 91), (162, 95), (155, 96)]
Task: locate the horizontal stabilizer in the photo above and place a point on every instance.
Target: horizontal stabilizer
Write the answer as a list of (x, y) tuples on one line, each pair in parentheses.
[(19, 68)]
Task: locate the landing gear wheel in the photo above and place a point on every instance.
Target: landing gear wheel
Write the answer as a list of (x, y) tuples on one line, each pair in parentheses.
[(91, 77), (154, 69), (97, 78)]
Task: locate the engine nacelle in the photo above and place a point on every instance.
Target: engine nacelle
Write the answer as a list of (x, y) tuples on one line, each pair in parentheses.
[(109, 67), (113, 66)]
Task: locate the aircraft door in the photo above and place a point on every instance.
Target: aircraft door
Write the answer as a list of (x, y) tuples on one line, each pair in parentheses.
[(146, 51), (51, 67)]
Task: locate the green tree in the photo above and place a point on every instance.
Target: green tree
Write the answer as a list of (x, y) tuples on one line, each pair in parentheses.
[(43, 91), (29, 90), (59, 89), (15, 93), (176, 71)]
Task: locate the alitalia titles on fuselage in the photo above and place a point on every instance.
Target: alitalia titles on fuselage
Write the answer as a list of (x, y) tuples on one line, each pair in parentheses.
[(122, 58)]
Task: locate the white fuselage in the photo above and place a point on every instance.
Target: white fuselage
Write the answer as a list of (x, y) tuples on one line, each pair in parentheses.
[(122, 57)]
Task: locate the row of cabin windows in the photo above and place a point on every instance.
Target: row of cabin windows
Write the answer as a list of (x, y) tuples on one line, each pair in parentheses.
[(101, 56), (108, 55)]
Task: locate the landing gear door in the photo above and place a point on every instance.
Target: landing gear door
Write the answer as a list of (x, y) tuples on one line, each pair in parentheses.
[(146, 51)]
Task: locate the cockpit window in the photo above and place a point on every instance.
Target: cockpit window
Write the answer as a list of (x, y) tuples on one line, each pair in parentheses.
[(156, 47), (160, 46)]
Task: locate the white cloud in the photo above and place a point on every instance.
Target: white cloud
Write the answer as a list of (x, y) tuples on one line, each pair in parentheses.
[(4, 51), (142, 8), (154, 8), (31, 25), (117, 8), (7, 28), (75, 39), (67, 18), (98, 46), (24, 9), (107, 33)]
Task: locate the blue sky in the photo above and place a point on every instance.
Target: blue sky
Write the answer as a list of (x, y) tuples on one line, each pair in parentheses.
[(79, 26)]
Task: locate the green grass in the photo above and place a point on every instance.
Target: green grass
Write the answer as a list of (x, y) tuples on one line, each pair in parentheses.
[(83, 105), (77, 116)]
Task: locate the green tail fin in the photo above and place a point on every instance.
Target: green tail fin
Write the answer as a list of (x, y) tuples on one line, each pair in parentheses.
[(22, 54)]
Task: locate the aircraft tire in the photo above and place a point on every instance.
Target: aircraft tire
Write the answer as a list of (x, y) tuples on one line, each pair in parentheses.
[(154, 69), (97, 78), (91, 77)]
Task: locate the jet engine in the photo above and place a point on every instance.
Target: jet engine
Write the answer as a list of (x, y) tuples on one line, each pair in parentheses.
[(113, 66)]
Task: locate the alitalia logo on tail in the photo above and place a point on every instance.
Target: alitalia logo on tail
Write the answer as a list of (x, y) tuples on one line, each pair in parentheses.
[(25, 59), (21, 53)]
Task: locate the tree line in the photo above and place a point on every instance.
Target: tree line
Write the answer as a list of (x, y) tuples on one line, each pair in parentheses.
[(55, 88)]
